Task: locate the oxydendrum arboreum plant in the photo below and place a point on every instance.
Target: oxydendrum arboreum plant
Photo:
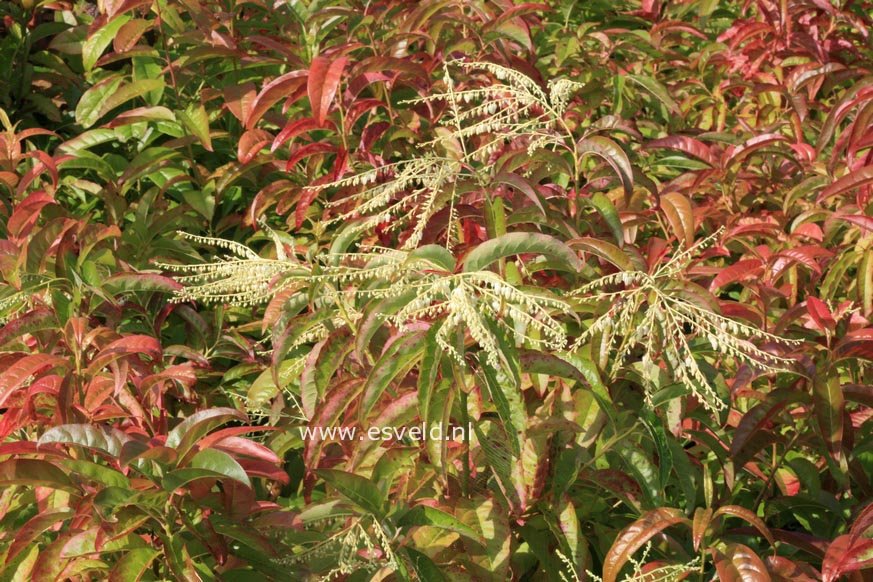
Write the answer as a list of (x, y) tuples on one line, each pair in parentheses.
[(657, 313)]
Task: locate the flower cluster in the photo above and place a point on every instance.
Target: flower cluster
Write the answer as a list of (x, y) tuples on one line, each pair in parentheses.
[(411, 192), (477, 300), (654, 311)]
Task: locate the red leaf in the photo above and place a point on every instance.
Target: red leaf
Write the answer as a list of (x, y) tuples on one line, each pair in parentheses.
[(810, 230), (292, 130), (741, 270), (250, 143), (324, 78), (863, 522), (309, 149), (820, 313), (283, 86), (740, 564), (26, 214), (784, 570), (635, 536), (31, 530), (687, 145), (239, 98), (129, 34), (847, 553), (129, 345), (18, 373), (753, 144), (848, 182)]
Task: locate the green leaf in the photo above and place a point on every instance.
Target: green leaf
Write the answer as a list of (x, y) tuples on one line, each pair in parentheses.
[(657, 89), (865, 283), (102, 438), (508, 401), (423, 566), (102, 474), (360, 490), (396, 358), (33, 473), (127, 93), (608, 252), (196, 120), (607, 210), (612, 153), (181, 477), (433, 256), (517, 243), (829, 409), (427, 515), (659, 436), (428, 372), (220, 462), (99, 40), (198, 425), (133, 565), (91, 102)]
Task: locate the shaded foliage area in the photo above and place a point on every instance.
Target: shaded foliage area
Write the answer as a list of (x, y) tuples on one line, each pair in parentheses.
[(627, 243)]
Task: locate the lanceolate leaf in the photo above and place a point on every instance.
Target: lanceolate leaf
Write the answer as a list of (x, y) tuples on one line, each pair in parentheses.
[(635, 536), (739, 563), (518, 243), (508, 401), (222, 463), (199, 424), (323, 81), (607, 251), (359, 489), (102, 38), (680, 215), (612, 153), (106, 439), (426, 515), (847, 183), (687, 145), (395, 359), (133, 565), (845, 554), (829, 405)]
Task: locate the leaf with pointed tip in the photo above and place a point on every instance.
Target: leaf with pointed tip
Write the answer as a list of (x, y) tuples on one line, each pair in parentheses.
[(680, 215), (635, 536), (222, 463), (132, 566), (657, 89), (196, 120), (606, 251), (198, 425), (359, 489), (847, 183), (102, 438), (426, 515), (286, 85), (396, 358), (739, 563), (322, 83), (687, 145), (518, 243), (97, 42), (612, 153), (743, 513)]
